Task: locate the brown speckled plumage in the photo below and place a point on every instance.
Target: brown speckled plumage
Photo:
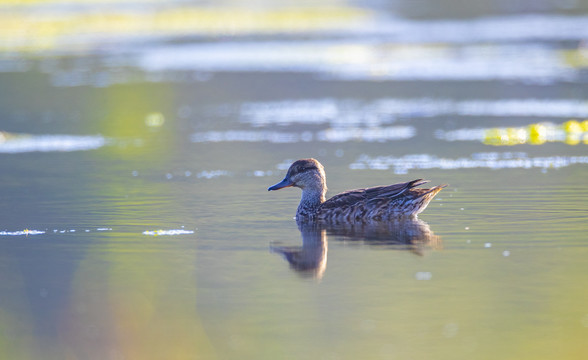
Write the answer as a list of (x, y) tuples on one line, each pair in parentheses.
[(375, 203)]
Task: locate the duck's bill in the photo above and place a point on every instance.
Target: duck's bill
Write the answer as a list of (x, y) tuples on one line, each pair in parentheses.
[(282, 184)]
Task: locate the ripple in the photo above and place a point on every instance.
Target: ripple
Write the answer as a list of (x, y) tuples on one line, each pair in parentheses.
[(20, 143), (371, 60), (497, 28), (375, 134), (571, 132), (211, 174), (87, 27), (336, 113), (246, 136), (369, 44), (25, 232), (378, 113), (333, 135), (92, 25), (488, 160), (167, 232)]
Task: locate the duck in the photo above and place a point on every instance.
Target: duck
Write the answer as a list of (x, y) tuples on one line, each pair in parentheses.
[(379, 203)]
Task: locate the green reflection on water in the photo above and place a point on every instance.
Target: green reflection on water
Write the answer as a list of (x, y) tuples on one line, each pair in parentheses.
[(135, 301), (132, 297)]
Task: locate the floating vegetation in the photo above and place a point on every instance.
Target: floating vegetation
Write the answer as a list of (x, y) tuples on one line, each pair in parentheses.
[(25, 232), (488, 160), (22, 143), (167, 232), (571, 132), (372, 134)]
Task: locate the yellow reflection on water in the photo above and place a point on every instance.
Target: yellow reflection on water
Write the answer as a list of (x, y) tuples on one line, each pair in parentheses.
[(137, 120), (571, 132), (17, 338), (134, 306), (77, 31), (577, 58)]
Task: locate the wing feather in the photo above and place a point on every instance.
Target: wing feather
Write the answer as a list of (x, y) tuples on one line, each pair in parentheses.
[(377, 193)]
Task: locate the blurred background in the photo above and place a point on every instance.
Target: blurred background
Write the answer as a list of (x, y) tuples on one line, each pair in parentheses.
[(138, 138)]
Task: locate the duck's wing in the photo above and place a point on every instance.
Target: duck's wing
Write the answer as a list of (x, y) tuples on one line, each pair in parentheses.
[(352, 197)]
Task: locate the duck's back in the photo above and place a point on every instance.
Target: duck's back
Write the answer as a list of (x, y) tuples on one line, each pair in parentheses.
[(377, 203)]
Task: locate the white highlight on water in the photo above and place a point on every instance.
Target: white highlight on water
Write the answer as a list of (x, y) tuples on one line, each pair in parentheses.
[(430, 50), (450, 330), (346, 113), (333, 135), (167, 232), (25, 232), (17, 143), (489, 160), (423, 275), (211, 174)]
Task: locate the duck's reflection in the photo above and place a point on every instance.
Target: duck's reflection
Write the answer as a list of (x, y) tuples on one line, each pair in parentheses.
[(414, 235), (310, 259)]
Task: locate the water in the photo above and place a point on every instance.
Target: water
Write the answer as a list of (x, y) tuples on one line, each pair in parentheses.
[(136, 222)]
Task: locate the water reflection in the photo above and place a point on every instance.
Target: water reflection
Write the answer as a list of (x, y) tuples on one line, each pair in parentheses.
[(414, 235), (345, 113), (481, 160), (310, 259), (376, 134), (572, 132), (12, 143)]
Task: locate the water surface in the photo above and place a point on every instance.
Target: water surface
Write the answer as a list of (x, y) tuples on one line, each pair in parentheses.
[(136, 222)]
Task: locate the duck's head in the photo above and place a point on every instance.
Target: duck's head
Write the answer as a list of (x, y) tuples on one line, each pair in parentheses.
[(305, 174)]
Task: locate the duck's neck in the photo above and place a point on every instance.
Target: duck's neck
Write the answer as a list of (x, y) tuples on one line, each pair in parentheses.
[(311, 199)]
